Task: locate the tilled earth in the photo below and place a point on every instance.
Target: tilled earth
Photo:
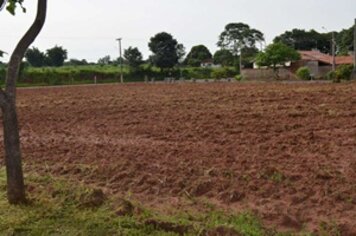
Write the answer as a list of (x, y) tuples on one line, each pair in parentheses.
[(284, 151)]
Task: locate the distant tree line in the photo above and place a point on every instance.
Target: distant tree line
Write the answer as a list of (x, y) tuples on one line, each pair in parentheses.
[(239, 46), (52, 57)]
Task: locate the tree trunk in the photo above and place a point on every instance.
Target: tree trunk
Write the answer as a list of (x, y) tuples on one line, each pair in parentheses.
[(15, 180)]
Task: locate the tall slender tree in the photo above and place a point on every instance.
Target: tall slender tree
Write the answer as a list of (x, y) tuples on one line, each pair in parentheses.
[(13, 161), (238, 36)]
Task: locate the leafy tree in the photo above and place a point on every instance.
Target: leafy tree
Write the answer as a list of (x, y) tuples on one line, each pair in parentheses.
[(344, 41), (56, 56), (300, 39), (250, 54), (105, 60), (276, 54), (76, 62), (35, 57), (166, 50), (305, 40), (224, 57), (13, 161), (197, 55), (180, 53), (133, 57), (238, 36)]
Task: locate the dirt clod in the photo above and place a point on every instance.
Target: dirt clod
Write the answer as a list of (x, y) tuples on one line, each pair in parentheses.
[(95, 198)]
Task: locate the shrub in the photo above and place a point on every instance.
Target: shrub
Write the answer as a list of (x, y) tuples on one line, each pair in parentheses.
[(239, 77), (222, 73), (218, 73), (331, 75), (304, 73), (344, 72)]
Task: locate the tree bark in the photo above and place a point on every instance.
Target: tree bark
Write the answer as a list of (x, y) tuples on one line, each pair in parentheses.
[(13, 160)]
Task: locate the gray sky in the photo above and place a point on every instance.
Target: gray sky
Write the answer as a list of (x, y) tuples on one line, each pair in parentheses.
[(88, 28)]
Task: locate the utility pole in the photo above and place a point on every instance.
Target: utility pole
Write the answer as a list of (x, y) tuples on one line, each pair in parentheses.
[(121, 61), (333, 45)]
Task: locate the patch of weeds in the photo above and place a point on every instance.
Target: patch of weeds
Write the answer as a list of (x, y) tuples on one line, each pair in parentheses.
[(245, 178), (57, 208), (245, 223), (329, 229), (273, 175), (229, 174), (277, 177)]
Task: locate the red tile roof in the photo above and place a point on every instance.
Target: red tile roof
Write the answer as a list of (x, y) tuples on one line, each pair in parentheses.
[(325, 58)]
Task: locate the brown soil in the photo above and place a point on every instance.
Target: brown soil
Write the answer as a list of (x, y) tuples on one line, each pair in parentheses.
[(286, 152)]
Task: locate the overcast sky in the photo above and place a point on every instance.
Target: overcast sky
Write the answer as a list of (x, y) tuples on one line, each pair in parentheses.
[(88, 28)]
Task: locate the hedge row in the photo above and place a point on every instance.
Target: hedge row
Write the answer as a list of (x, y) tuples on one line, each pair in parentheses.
[(86, 74)]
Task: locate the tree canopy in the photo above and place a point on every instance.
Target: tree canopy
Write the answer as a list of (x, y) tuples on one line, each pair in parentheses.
[(300, 39), (56, 56), (166, 50), (133, 57), (197, 55), (35, 57), (223, 57), (344, 41), (276, 54), (237, 36)]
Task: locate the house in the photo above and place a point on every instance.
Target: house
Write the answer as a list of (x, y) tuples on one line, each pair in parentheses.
[(319, 63), (209, 64)]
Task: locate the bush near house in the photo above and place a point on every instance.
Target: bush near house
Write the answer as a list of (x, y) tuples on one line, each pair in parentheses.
[(303, 73), (222, 73), (344, 72)]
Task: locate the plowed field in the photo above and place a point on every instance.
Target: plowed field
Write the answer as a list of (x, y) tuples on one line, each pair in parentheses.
[(284, 151)]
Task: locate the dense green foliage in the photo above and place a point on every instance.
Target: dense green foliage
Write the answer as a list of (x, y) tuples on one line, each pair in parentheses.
[(166, 50), (237, 36), (56, 56), (106, 60), (344, 72), (53, 57), (108, 73), (276, 54), (133, 57), (305, 40), (221, 73), (249, 55), (344, 41), (303, 73), (76, 62), (300, 39), (197, 55), (35, 57), (224, 57)]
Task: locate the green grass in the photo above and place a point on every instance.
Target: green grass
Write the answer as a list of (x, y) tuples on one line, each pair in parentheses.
[(56, 209), (59, 207)]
